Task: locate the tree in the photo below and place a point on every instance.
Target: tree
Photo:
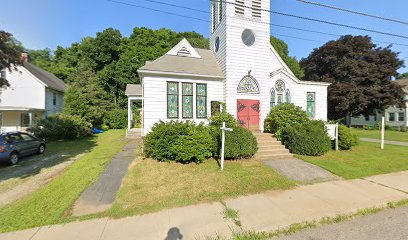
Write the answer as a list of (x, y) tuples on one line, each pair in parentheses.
[(86, 98), (10, 54), (360, 73), (403, 75), (283, 50)]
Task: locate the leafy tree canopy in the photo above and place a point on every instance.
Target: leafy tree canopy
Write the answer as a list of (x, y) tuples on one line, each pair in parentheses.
[(10, 54), (403, 75), (360, 73), (283, 50)]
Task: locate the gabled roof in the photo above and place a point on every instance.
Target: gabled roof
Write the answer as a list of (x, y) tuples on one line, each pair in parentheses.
[(49, 79), (187, 61), (404, 84)]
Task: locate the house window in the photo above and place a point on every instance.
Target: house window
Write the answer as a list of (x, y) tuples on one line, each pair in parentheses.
[(391, 117), (367, 118), (287, 95), (54, 99), (172, 100), (215, 107), (272, 100), (187, 97), (311, 104), (202, 101), (401, 117), (25, 120)]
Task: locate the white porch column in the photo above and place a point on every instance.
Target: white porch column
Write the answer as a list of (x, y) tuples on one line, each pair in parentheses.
[(30, 116), (129, 113)]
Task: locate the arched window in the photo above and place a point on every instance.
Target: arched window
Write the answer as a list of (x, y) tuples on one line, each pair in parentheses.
[(272, 100), (248, 85), (287, 95)]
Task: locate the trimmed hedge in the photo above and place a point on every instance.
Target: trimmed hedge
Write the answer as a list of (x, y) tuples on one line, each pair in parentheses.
[(309, 138), (221, 117), (240, 143), (62, 127), (116, 118), (282, 116), (347, 140), (179, 141)]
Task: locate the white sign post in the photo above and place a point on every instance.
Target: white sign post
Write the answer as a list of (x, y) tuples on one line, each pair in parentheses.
[(223, 143), (333, 132), (337, 137), (382, 132)]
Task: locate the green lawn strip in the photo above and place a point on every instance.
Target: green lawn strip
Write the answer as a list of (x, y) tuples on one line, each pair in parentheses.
[(152, 186), (390, 135), (297, 227), (50, 204), (364, 160)]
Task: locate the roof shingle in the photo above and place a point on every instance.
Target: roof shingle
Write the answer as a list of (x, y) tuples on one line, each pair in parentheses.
[(49, 79)]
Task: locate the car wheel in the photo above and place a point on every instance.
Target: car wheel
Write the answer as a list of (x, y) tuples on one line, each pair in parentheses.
[(41, 149), (13, 159)]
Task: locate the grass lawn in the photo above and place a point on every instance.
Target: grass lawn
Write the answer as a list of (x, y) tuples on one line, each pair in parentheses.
[(51, 204), (364, 160), (389, 134), (152, 186)]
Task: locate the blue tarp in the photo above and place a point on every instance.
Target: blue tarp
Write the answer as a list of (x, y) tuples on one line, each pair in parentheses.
[(96, 131)]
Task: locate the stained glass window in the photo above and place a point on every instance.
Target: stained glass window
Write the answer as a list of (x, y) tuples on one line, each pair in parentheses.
[(280, 86), (280, 99), (201, 101), (172, 100), (311, 104), (287, 95), (187, 100), (272, 101), (248, 85)]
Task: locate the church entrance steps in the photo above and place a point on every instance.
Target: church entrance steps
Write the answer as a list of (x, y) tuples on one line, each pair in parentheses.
[(269, 148)]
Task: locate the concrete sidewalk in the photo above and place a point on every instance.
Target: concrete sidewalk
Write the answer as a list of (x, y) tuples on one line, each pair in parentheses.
[(261, 212), (405, 144)]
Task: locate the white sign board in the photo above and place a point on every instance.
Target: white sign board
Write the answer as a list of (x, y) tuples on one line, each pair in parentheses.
[(331, 131)]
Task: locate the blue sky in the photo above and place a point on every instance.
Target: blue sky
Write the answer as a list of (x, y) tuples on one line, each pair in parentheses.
[(48, 23)]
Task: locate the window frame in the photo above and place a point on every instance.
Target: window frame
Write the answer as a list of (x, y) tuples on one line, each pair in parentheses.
[(314, 105), (22, 120), (206, 100), (288, 98), (178, 99), (54, 99), (272, 96), (393, 117), (401, 116), (182, 100)]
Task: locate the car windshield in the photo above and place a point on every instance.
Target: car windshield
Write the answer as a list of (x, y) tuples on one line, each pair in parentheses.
[(13, 138)]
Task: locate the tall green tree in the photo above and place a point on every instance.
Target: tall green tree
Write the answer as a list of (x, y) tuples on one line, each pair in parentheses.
[(403, 75), (361, 75), (283, 50), (86, 98), (10, 54)]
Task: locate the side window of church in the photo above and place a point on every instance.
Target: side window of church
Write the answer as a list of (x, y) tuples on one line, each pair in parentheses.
[(172, 100), (215, 108), (311, 104), (202, 101), (187, 100), (272, 101)]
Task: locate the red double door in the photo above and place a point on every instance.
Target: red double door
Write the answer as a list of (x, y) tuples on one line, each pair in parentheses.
[(248, 113)]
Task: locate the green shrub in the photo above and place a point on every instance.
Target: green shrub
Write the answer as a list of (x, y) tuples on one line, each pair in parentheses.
[(221, 117), (240, 143), (116, 118), (62, 127), (179, 141), (282, 116), (309, 138), (347, 140)]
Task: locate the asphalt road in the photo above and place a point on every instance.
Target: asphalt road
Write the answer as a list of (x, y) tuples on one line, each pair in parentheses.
[(389, 224)]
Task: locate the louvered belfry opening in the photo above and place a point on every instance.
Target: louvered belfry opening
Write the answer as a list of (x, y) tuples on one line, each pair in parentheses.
[(256, 8), (240, 7), (183, 52)]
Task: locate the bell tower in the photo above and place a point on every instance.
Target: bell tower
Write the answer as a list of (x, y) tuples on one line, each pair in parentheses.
[(240, 40)]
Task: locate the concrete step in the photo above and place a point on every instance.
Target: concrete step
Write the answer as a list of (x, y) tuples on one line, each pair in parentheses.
[(274, 157), (269, 143), (268, 148), (272, 151)]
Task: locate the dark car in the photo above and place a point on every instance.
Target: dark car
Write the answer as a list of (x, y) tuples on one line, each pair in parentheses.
[(14, 145)]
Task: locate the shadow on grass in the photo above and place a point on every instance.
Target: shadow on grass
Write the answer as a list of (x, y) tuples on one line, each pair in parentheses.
[(57, 152)]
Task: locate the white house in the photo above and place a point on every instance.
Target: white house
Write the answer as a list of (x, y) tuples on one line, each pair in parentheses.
[(394, 116), (241, 69), (33, 93)]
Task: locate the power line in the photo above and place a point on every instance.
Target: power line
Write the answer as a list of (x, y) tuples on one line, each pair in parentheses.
[(305, 39), (320, 21), (207, 21), (352, 11)]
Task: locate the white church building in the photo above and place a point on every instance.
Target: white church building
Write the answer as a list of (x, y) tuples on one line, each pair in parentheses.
[(241, 69)]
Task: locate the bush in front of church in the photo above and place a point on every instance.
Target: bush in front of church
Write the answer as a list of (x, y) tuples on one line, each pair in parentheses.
[(179, 141), (347, 139), (309, 138), (217, 119), (282, 116), (240, 143)]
